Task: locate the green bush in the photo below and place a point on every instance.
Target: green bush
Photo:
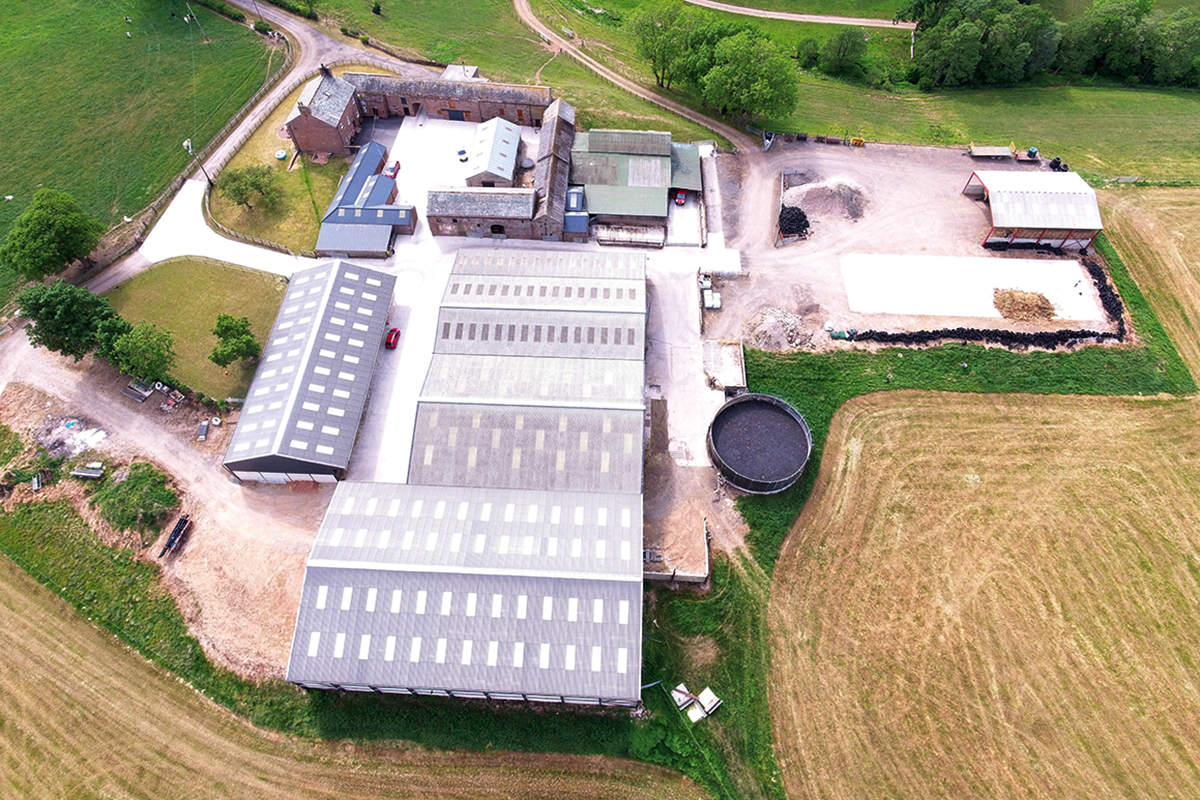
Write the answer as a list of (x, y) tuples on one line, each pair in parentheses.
[(223, 9), (10, 445), (138, 503), (262, 26), (364, 39)]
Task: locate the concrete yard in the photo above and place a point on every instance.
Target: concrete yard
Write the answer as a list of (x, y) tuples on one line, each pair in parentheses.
[(964, 286)]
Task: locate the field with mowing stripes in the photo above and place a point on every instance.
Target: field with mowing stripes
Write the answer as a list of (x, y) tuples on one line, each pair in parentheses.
[(994, 596)]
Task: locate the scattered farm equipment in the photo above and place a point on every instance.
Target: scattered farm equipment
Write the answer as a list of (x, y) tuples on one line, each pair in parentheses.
[(182, 526)]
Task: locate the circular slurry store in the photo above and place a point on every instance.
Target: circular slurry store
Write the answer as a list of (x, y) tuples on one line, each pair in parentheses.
[(759, 443)]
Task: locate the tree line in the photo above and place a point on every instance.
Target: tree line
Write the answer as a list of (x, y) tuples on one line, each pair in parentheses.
[(735, 68), (1005, 42)]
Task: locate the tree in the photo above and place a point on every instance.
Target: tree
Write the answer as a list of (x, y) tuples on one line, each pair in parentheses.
[(144, 352), (752, 77), (951, 53), (49, 234), (842, 53), (1174, 49), (662, 29), (107, 334), (241, 183), (808, 51), (65, 317), (235, 342)]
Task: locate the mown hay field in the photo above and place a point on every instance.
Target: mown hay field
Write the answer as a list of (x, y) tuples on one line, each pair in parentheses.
[(1157, 231), (994, 596), (82, 715)]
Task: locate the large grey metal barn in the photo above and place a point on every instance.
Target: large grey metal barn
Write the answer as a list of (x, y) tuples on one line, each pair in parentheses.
[(301, 415)]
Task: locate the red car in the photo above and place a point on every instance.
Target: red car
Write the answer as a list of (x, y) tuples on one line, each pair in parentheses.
[(680, 197), (392, 171), (393, 339)]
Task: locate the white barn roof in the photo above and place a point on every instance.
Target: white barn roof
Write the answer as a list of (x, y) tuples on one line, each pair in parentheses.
[(1048, 200), (494, 152), (515, 380)]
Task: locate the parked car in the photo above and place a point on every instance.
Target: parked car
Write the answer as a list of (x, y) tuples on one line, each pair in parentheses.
[(392, 171), (393, 339), (462, 156), (680, 196), (202, 431)]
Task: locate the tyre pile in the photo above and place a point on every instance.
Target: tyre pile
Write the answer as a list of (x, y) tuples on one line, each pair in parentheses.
[(1049, 340), (792, 221)]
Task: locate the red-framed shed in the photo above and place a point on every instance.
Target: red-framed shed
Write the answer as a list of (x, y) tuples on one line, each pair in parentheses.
[(1052, 209)]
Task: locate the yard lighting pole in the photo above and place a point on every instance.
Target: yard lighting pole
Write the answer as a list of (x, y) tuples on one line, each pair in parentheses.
[(187, 145)]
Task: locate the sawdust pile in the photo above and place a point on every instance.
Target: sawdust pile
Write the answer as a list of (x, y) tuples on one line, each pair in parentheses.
[(1022, 306), (776, 330), (828, 198)]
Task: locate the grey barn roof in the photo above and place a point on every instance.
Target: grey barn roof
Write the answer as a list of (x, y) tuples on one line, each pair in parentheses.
[(560, 382), (312, 381), (553, 168), (549, 334), (634, 143), (451, 89), (562, 449), (629, 265), (474, 590), (337, 237), (487, 203), (550, 292)]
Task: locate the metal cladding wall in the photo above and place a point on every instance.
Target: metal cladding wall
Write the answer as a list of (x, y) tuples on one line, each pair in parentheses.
[(759, 443)]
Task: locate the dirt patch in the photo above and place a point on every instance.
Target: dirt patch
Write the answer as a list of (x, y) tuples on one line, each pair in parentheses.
[(776, 330), (1023, 306), (832, 197), (701, 651)]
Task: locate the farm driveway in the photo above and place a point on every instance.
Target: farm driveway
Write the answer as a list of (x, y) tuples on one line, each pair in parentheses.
[(787, 15), (238, 580)]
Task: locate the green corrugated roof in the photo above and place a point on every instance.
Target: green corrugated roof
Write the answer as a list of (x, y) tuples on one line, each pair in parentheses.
[(685, 167), (640, 201), (634, 143)]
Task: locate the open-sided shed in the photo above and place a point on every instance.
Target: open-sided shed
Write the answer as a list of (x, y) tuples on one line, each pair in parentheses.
[(1048, 209)]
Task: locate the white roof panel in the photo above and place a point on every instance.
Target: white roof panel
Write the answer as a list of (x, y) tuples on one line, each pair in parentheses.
[(1049, 200)]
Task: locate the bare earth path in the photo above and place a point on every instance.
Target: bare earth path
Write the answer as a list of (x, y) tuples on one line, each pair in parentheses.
[(83, 716), (993, 596), (787, 15), (738, 137)]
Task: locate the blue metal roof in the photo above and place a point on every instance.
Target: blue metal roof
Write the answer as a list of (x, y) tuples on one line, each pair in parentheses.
[(352, 185)]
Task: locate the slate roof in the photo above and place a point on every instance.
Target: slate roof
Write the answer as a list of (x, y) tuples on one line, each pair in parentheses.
[(1054, 200), (326, 97), (485, 203), (315, 372), (553, 167), (527, 447), (494, 151), (468, 91)]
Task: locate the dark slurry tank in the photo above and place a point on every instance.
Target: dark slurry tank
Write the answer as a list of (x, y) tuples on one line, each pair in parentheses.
[(759, 443)]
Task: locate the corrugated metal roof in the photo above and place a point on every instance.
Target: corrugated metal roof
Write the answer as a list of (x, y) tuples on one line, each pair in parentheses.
[(345, 238), (494, 151), (633, 201), (451, 89), (487, 203), (477, 531), (576, 222), (585, 382), (1054, 200), (315, 372), (546, 334), (642, 143), (553, 292), (561, 449), (326, 97), (469, 632), (685, 167), (628, 265)]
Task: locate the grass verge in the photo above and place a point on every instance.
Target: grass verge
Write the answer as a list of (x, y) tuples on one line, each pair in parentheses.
[(139, 503), (211, 288)]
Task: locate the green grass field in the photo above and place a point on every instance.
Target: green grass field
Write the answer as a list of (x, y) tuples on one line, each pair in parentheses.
[(103, 116), (210, 288), (295, 219), (886, 9)]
